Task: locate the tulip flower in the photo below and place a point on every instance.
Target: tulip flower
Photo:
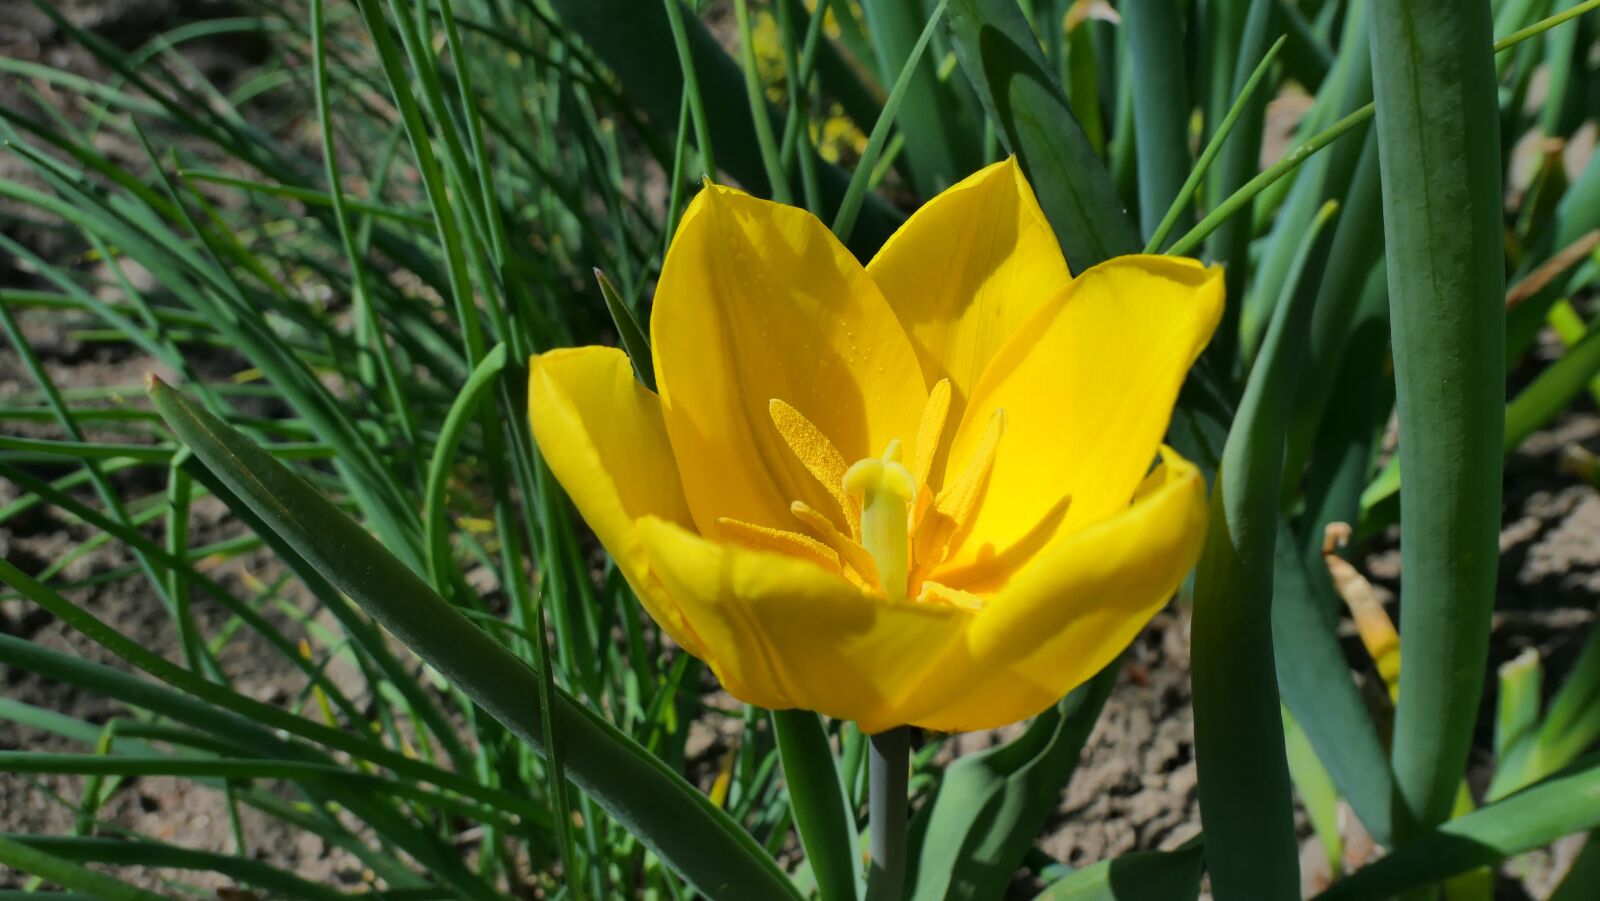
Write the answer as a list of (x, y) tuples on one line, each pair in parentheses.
[(929, 491)]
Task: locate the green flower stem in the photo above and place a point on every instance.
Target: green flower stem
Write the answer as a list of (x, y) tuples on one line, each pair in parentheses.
[(886, 813)]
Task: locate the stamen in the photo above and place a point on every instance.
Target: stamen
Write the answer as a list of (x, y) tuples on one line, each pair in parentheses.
[(934, 593), (817, 454), (854, 556), (793, 544), (886, 489), (931, 430), (953, 508)]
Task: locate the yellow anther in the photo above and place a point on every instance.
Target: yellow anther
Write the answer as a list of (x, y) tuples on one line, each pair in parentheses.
[(793, 544), (954, 506), (816, 453), (853, 555), (885, 488), (931, 430), (934, 593)]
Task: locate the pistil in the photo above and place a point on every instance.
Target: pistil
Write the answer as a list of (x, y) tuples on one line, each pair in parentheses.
[(885, 488)]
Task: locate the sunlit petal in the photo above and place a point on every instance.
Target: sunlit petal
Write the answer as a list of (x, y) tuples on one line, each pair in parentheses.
[(1088, 386), (967, 269), (782, 632), (601, 433), (1070, 610), (759, 302)]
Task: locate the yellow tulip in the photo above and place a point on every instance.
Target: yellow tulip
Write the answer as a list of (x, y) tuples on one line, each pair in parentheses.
[(926, 492)]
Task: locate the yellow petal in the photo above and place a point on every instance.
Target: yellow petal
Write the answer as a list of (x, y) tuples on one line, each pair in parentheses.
[(758, 302), (782, 632), (1087, 385), (602, 435), (1070, 610), (967, 269)]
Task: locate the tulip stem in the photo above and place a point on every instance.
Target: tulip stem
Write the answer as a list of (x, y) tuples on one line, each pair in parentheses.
[(886, 813)]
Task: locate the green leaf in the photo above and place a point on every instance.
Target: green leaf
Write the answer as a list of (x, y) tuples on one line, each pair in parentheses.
[(1561, 805), (1582, 881), (146, 853), (1136, 876), (941, 143), (822, 816), (998, 51), (1160, 111), (1245, 804), (1549, 394), (629, 331), (989, 807), (844, 223), (1569, 727), (451, 432), (58, 871), (647, 66), (655, 804), (1434, 80), (1318, 794), (1229, 244), (1314, 682), (1516, 710)]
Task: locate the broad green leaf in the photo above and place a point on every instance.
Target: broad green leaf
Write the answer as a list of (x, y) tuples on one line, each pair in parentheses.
[(1315, 683), (1160, 110), (1245, 804), (1434, 82), (147, 853), (822, 816), (1135, 876)]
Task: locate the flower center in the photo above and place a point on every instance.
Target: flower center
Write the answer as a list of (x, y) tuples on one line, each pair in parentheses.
[(884, 488), (891, 528)]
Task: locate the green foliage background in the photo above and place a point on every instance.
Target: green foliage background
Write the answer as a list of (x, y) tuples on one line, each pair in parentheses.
[(341, 262)]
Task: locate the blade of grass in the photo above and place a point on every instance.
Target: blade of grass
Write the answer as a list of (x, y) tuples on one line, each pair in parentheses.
[(691, 86), (1185, 196), (1293, 158), (940, 148), (654, 803), (434, 514), (67, 874), (650, 71), (1568, 728), (844, 222), (766, 142), (1561, 805), (1229, 244)]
